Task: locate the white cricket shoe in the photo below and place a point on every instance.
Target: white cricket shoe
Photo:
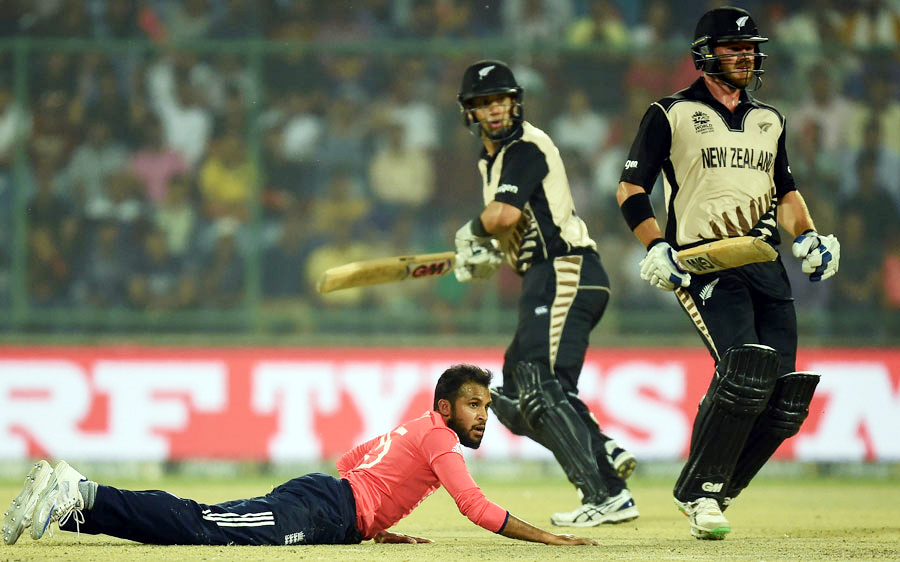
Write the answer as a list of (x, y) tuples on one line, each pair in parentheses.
[(621, 460), (18, 517), (707, 521), (59, 500), (617, 509)]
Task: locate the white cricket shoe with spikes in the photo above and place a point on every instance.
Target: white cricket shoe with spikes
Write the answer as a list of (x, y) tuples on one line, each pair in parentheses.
[(59, 500), (707, 521), (18, 517)]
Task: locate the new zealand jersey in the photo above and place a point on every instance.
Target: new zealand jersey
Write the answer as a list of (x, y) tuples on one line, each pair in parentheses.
[(724, 171), (528, 173)]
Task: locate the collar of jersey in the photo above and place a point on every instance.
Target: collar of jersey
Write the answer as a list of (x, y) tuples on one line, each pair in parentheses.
[(516, 135), (699, 91)]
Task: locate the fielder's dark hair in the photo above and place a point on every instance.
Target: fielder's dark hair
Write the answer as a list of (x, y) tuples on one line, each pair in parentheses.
[(447, 387)]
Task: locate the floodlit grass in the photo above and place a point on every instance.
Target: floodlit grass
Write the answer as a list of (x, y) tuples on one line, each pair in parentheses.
[(810, 518)]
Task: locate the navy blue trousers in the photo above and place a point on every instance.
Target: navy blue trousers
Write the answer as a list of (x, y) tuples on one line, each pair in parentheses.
[(312, 509)]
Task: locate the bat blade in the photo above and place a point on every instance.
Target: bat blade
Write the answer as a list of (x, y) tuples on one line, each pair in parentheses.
[(386, 270), (726, 254)]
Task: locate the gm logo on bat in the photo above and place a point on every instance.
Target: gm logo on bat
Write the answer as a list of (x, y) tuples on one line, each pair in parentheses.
[(434, 269), (700, 263)]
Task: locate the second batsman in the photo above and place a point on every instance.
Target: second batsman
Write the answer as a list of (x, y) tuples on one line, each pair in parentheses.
[(529, 221)]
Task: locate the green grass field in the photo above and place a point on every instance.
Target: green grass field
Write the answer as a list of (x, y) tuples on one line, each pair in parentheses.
[(810, 518)]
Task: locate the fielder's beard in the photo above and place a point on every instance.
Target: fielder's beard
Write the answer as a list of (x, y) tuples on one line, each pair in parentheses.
[(461, 432)]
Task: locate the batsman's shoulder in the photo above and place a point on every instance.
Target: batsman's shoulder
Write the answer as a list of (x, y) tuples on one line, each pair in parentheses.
[(772, 108), (533, 134)]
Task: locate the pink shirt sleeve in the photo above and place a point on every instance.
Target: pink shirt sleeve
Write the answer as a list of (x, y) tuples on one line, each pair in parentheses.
[(450, 468)]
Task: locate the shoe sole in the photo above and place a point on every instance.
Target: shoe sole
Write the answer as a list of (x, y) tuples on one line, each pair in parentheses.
[(621, 516), (625, 467), (714, 534), (17, 518)]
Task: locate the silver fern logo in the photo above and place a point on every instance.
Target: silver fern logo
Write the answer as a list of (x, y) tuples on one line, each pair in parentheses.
[(707, 291), (485, 71)]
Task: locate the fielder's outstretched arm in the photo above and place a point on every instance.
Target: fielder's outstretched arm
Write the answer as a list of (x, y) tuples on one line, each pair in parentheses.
[(517, 529)]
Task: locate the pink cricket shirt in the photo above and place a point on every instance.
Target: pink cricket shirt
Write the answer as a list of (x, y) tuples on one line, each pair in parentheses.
[(391, 475)]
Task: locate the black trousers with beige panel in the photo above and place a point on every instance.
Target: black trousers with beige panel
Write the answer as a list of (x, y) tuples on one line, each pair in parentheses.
[(750, 304), (562, 300)]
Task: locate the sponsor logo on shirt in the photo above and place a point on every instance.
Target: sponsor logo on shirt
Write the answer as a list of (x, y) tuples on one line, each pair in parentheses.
[(629, 164), (702, 124), (508, 188), (764, 126), (541, 310)]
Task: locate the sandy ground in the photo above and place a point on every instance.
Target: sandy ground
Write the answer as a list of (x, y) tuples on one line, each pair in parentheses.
[(776, 519)]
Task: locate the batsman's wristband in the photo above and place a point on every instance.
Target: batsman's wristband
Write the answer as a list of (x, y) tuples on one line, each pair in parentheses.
[(654, 242), (636, 209), (478, 228)]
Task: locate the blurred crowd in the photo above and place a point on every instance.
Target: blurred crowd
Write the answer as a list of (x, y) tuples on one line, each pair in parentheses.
[(161, 171)]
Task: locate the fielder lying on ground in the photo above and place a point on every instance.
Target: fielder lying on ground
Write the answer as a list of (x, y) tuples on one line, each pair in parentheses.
[(381, 481)]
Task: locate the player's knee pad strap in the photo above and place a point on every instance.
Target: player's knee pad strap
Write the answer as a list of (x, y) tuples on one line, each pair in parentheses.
[(746, 377)]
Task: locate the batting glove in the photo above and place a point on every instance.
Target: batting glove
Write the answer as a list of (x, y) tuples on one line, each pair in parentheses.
[(476, 256), (661, 268), (820, 255)]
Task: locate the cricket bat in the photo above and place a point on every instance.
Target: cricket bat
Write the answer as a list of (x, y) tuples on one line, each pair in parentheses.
[(726, 254), (386, 270), (706, 258)]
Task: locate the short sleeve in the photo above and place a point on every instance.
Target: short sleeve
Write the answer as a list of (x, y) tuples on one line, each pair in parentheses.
[(524, 169), (650, 149), (784, 180)]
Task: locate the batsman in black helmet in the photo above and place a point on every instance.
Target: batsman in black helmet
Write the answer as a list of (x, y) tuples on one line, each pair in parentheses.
[(726, 173), (529, 221)]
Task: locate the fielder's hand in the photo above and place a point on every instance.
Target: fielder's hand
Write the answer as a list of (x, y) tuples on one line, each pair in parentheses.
[(389, 537), (565, 539), (821, 255), (661, 268), (476, 257)]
